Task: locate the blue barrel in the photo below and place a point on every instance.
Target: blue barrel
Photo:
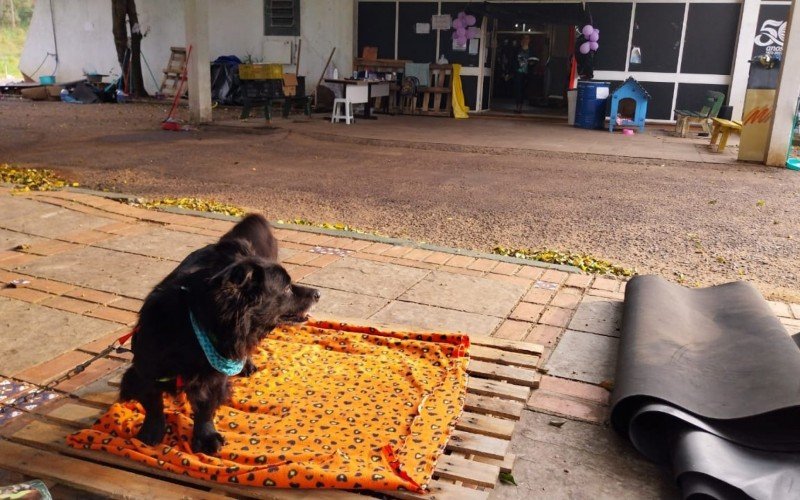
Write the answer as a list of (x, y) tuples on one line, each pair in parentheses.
[(590, 111)]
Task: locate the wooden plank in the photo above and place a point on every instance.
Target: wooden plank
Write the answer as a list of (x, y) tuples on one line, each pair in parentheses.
[(91, 477), (506, 465), (508, 345), (492, 406), (468, 472), (486, 425), (75, 414), (483, 353), (476, 444), (511, 374), (483, 387), (52, 437), (441, 490)]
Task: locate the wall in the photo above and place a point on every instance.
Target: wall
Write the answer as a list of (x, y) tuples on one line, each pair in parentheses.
[(684, 54), (86, 43)]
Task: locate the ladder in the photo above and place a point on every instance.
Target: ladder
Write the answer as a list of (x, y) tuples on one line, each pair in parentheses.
[(173, 72)]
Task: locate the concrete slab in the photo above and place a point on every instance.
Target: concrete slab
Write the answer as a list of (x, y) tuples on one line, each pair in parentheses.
[(584, 356), (42, 219), (579, 460), (34, 334), (101, 269), (466, 293), (10, 239), (339, 304), (437, 319), (598, 315), (366, 277), (159, 242)]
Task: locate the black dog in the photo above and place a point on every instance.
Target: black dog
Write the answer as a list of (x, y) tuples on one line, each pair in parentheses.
[(232, 293)]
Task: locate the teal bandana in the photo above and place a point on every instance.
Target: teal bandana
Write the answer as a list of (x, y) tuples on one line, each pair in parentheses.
[(229, 367)]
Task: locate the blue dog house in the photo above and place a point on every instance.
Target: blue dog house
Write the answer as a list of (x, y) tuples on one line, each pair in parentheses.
[(628, 106)]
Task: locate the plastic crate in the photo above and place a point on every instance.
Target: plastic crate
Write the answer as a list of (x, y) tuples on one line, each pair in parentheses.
[(260, 71)]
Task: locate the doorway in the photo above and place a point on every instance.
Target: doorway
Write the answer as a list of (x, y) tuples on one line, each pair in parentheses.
[(544, 86)]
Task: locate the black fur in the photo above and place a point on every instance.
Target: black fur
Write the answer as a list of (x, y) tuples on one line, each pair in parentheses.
[(238, 293)]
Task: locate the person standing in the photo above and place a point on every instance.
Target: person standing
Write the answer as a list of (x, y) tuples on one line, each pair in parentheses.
[(521, 73)]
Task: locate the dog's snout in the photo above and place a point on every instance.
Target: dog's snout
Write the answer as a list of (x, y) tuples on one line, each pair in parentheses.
[(316, 295)]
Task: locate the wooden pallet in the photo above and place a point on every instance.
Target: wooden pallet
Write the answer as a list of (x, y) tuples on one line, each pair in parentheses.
[(502, 374), (174, 71)]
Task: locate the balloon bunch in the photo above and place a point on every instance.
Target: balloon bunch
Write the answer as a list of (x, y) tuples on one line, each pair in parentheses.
[(464, 26), (592, 36)]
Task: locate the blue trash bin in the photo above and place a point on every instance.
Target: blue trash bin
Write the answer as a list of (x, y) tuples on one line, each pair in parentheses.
[(590, 109)]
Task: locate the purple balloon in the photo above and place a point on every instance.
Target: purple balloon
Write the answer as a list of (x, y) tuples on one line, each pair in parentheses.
[(458, 24), (593, 45), (471, 20), (594, 37), (462, 32), (587, 30), (462, 15), (584, 48)]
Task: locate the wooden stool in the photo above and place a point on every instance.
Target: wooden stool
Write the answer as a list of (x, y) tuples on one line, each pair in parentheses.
[(723, 127)]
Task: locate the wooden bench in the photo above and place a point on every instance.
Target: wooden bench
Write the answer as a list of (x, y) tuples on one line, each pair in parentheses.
[(723, 128)]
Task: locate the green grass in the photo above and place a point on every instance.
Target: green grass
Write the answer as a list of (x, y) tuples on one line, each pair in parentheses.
[(11, 43)]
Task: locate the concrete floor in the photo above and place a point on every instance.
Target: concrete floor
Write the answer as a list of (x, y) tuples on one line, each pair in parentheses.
[(490, 132)]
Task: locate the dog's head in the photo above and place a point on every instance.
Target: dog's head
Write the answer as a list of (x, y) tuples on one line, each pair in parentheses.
[(253, 295)]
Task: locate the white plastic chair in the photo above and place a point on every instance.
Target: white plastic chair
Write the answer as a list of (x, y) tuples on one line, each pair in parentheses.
[(343, 107)]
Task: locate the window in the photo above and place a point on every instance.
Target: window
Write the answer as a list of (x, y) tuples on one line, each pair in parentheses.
[(282, 17)]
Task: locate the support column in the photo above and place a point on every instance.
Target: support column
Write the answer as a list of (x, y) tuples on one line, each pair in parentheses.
[(786, 93), (199, 69), (748, 22)]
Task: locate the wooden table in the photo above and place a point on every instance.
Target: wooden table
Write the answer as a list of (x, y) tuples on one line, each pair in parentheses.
[(376, 88)]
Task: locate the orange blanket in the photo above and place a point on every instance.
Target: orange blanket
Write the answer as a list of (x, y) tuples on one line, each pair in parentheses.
[(333, 406)]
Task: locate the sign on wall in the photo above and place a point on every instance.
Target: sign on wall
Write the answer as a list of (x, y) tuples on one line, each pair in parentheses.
[(770, 30)]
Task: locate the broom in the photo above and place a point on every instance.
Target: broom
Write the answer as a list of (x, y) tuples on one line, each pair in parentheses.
[(170, 123)]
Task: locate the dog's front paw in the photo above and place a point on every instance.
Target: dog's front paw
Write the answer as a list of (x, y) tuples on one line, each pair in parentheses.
[(249, 368), (208, 442), (153, 430)]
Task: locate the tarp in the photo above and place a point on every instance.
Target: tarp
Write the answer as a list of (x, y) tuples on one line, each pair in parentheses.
[(460, 110), (332, 406), (708, 385)]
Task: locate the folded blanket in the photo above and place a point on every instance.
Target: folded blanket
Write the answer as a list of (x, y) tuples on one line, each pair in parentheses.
[(332, 406)]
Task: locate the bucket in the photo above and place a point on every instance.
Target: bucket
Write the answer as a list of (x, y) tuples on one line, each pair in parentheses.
[(572, 99), (47, 80), (590, 111), (793, 164)]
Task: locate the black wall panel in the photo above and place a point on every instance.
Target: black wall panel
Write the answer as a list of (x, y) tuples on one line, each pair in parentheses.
[(614, 21), (469, 84), (692, 96), (660, 105), (376, 27), (410, 45), (711, 32), (657, 32), (446, 45)]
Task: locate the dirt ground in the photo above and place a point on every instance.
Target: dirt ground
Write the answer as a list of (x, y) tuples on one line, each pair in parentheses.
[(695, 223)]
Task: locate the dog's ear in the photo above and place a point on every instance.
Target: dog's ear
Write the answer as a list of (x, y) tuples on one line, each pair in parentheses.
[(243, 278)]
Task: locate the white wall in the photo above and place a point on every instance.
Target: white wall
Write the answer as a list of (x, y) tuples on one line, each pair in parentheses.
[(86, 43)]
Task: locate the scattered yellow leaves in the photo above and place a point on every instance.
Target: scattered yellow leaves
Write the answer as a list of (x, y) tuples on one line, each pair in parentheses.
[(582, 261), (32, 179), (197, 204), (327, 225)]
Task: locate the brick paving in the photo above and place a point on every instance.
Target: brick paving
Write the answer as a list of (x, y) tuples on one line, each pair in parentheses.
[(361, 279)]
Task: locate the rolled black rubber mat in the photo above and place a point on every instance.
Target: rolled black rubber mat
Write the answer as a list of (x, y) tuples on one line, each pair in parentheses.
[(708, 385)]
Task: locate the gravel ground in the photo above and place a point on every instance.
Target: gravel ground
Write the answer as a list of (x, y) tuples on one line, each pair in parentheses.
[(697, 224)]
